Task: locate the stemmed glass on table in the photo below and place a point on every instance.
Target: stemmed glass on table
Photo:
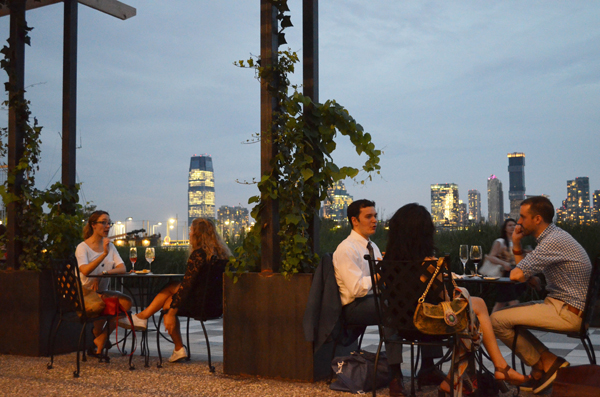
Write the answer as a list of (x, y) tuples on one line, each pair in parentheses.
[(133, 257), (150, 257), (476, 257), (464, 257)]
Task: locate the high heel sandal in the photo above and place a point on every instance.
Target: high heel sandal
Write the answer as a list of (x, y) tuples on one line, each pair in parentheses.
[(507, 378)]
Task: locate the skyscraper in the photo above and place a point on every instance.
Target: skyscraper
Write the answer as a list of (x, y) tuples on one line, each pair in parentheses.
[(596, 209), (578, 200), (516, 178), (495, 201), (463, 214), (474, 206), (201, 188), (336, 205), (444, 204), (232, 220)]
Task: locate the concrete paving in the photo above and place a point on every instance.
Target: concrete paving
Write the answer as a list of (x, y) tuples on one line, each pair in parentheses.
[(28, 376)]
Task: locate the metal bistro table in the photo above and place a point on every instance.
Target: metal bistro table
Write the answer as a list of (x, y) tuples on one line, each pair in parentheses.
[(146, 286)]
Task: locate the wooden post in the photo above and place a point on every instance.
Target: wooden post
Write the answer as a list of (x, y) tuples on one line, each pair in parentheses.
[(270, 252), (310, 74), (69, 116), (16, 128)]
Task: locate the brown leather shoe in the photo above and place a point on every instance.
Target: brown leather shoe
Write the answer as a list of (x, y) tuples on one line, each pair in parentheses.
[(397, 388)]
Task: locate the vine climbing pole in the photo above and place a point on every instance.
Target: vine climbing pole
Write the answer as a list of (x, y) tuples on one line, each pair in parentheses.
[(16, 128), (310, 76), (269, 43)]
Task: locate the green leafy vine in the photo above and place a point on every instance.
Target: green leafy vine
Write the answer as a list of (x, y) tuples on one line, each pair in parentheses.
[(303, 168), (46, 230)]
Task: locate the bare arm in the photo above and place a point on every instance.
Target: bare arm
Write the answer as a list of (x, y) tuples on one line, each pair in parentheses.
[(494, 256), (87, 269)]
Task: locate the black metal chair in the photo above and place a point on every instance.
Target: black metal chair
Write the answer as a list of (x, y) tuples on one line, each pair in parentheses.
[(395, 302), (70, 307), (205, 302), (582, 333)]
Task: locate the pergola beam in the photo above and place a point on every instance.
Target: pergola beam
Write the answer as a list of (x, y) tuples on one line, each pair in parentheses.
[(111, 7)]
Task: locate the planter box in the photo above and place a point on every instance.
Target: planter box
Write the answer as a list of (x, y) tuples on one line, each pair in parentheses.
[(26, 311), (262, 329)]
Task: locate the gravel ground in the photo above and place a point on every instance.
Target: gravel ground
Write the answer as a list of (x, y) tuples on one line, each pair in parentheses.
[(28, 376)]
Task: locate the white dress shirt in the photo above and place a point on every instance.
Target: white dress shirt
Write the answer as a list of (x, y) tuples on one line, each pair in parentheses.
[(351, 269)]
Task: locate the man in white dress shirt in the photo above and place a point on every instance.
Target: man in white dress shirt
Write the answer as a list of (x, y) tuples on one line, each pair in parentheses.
[(354, 279)]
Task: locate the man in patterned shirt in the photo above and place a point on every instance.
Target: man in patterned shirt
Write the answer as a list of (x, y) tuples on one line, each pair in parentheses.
[(566, 267)]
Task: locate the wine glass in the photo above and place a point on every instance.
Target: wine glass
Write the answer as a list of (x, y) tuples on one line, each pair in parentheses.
[(133, 257), (476, 256), (464, 257), (149, 256)]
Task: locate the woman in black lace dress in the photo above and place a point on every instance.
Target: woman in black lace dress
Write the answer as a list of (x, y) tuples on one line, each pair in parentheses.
[(204, 244)]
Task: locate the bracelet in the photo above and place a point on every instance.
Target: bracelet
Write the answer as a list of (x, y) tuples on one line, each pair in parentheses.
[(104, 272), (518, 252)]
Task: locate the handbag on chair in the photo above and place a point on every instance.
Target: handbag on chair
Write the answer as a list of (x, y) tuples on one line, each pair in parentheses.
[(445, 318)]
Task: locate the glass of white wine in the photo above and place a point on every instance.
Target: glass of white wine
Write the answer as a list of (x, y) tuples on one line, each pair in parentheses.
[(464, 257), (150, 257)]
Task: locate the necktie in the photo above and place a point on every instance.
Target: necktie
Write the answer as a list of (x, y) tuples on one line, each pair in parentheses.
[(370, 248)]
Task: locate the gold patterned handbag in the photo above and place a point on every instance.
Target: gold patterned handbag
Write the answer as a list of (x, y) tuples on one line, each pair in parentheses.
[(445, 318)]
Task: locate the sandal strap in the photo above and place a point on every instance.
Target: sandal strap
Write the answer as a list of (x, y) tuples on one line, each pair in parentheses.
[(503, 371)]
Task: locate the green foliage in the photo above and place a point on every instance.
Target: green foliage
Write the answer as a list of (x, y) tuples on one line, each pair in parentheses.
[(302, 169), (46, 230), (586, 235), (304, 133)]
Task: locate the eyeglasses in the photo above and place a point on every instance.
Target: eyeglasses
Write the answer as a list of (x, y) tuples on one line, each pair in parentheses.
[(105, 223)]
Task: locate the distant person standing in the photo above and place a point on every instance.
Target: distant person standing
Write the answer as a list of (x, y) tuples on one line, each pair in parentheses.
[(567, 269)]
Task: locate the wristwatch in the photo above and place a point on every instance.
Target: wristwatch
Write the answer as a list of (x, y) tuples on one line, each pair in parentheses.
[(104, 272)]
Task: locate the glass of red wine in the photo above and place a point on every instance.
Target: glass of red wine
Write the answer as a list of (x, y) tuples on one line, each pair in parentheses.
[(133, 257), (476, 257)]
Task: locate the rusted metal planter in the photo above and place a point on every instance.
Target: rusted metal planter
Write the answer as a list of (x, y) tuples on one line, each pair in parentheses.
[(26, 311), (262, 329)]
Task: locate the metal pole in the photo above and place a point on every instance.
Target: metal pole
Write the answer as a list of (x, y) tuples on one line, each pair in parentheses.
[(16, 128), (310, 69), (269, 43), (69, 120)]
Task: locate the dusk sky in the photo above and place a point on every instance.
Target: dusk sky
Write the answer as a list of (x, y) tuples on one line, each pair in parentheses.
[(446, 88)]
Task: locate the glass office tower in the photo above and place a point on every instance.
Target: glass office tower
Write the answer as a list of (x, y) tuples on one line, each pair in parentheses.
[(516, 179), (444, 204), (474, 206), (495, 201), (201, 188), (578, 200)]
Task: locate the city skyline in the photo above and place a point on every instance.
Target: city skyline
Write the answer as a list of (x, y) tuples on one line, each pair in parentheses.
[(446, 96)]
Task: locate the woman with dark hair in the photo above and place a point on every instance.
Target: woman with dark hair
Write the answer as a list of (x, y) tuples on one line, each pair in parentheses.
[(411, 237), (501, 255), (97, 255), (205, 243)]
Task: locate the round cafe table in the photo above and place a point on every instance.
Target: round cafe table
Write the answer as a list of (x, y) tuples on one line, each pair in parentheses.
[(146, 286)]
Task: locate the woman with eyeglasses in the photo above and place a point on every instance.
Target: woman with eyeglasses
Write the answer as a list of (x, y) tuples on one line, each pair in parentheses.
[(96, 255)]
